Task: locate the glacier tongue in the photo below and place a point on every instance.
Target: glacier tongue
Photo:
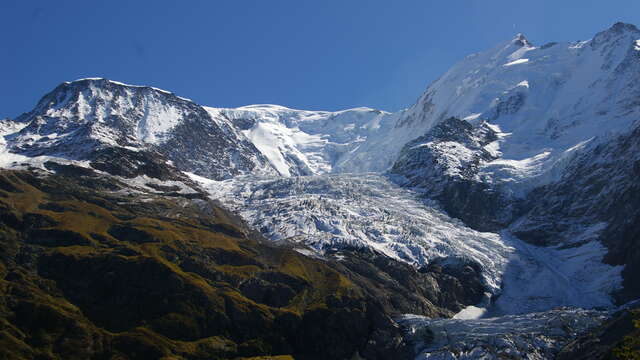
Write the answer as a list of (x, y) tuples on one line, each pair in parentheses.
[(330, 211), (333, 211), (533, 336)]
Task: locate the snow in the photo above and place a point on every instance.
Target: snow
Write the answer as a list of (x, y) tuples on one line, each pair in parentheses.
[(516, 62), (493, 148), (99, 106), (514, 172), (123, 84), (143, 182), (9, 160), (299, 142), (473, 312), (472, 117), (89, 78), (158, 119), (573, 100), (573, 82), (540, 278), (261, 136), (160, 90), (470, 313), (368, 210), (327, 211), (539, 129)]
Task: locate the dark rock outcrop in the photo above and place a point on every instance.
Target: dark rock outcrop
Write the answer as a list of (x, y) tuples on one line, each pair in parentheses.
[(443, 164)]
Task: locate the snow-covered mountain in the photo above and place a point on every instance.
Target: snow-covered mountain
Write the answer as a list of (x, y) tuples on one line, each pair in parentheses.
[(542, 106), (519, 163), (79, 118), (299, 142), (544, 102)]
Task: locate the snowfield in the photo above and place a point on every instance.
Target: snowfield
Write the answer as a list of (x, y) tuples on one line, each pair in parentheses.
[(301, 142)]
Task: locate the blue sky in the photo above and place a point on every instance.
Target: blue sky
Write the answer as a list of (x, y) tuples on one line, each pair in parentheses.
[(325, 55)]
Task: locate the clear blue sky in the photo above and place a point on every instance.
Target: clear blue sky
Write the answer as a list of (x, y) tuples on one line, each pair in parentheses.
[(305, 54)]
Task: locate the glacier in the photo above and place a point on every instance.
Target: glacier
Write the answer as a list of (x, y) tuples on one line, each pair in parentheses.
[(326, 212), (321, 180)]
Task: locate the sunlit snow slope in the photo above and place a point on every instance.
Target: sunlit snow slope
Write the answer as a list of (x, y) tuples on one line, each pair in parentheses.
[(545, 103), (300, 142)]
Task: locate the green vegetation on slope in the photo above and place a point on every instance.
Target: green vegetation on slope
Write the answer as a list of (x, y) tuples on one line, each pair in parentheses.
[(90, 269), (629, 347), (93, 268), (618, 338)]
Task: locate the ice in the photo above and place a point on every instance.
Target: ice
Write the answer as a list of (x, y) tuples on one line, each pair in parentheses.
[(369, 210), (559, 110), (328, 211), (533, 336), (540, 278)]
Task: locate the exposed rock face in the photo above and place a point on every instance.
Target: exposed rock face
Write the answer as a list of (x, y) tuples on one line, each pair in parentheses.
[(435, 291), (444, 164)]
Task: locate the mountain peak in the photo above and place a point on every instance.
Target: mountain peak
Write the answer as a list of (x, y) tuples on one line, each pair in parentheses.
[(99, 81), (621, 27), (616, 31), (520, 40)]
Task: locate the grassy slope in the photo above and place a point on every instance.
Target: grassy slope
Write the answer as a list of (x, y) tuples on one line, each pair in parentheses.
[(617, 339), (92, 271)]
